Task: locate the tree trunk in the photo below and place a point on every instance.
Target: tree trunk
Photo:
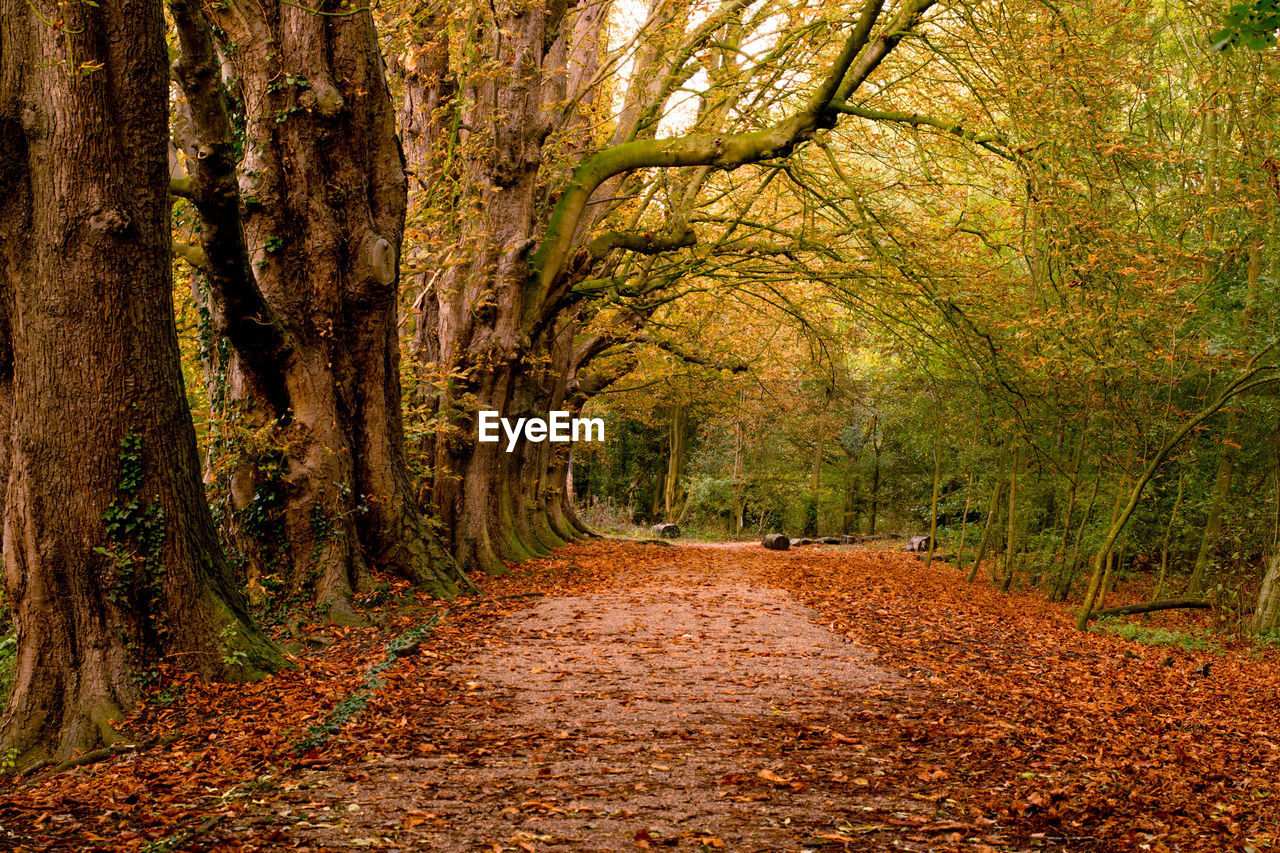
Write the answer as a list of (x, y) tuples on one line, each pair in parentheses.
[(739, 478), (875, 486), (937, 484), (112, 563), (321, 204), (673, 492), (1011, 540), (1266, 616), (1071, 565), (815, 488), (964, 520), (1164, 544), (993, 510), (1073, 489), (1213, 524)]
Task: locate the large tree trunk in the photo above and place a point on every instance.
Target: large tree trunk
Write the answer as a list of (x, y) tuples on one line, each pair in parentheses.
[(473, 335), (112, 563), (321, 203)]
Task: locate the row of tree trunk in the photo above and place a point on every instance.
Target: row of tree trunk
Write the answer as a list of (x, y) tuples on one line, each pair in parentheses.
[(284, 144)]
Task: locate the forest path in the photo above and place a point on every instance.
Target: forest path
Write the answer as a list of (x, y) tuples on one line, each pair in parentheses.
[(688, 705), (624, 696)]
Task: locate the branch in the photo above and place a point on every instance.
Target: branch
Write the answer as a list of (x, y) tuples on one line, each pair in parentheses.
[(988, 141), (193, 255), (668, 346), (642, 242), (1245, 382), (181, 187)]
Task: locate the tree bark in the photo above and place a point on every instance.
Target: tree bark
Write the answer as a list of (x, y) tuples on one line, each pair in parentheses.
[(964, 520), (815, 488), (1266, 616), (1152, 607), (321, 206), (112, 563), (1164, 544)]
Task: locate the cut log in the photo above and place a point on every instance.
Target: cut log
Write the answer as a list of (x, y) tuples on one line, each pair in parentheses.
[(918, 543), (666, 531), (802, 542), (776, 542), (1153, 606), (830, 540)]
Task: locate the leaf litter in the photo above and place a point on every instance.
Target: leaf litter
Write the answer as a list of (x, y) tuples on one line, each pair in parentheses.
[(624, 697)]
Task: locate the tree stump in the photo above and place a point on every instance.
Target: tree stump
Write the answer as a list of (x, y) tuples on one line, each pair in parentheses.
[(918, 543)]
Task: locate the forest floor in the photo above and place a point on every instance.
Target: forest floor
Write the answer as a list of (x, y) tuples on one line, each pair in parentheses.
[(697, 697)]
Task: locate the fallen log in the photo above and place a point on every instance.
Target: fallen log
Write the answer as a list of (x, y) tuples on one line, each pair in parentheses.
[(1152, 607), (776, 542), (666, 531), (830, 540)]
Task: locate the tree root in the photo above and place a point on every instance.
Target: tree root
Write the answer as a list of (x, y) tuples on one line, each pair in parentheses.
[(97, 755)]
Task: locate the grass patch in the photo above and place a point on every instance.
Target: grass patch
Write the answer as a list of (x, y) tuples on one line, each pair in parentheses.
[(1185, 640)]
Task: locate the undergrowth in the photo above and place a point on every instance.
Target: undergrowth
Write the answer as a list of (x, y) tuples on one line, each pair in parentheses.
[(1185, 640)]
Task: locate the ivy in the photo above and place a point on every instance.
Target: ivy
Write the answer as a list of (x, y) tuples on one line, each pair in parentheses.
[(135, 533)]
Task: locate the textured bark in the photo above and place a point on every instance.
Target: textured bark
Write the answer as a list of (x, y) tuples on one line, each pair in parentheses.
[(321, 204), (112, 562), (1266, 616), (1153, 607)]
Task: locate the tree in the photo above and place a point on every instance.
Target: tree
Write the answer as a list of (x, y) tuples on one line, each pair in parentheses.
[(112, 563), (298, 180), (542, 235)]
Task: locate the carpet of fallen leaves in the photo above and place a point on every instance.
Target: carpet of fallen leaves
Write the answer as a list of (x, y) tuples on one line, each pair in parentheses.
[(996, 727)]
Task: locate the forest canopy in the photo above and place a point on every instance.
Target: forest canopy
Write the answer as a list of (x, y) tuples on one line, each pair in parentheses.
[(1001, 273)]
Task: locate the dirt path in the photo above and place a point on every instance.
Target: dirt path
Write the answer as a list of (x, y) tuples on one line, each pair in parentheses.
[(624, 696), (682, 711)]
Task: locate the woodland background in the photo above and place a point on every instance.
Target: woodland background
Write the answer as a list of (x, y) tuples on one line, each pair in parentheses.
[(1002, 270)]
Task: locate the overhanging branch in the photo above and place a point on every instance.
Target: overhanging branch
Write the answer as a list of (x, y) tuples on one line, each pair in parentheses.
[(988, 141), (683, 355), (642, 242), (725, 151)]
